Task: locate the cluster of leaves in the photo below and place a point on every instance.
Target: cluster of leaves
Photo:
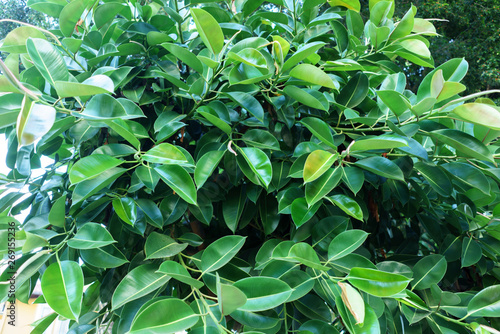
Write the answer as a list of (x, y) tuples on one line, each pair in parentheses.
[(235, 166), (469, 29)]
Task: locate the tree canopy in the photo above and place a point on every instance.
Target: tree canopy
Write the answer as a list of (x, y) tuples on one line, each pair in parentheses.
[(231, 166)]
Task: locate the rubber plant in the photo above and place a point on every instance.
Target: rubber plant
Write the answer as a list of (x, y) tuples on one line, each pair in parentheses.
[(246, 166)]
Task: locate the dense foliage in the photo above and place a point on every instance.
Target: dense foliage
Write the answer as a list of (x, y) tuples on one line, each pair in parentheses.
[(244, 167), (468, 29)]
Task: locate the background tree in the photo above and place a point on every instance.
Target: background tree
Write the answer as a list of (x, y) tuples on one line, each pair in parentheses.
[(19, 11), (240, 167)]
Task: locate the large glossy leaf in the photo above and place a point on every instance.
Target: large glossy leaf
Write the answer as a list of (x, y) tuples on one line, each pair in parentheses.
[(179, 180), (479, 113), (381, 166), (160, 246), (379, 143), (206, 166), (34, 121), (322, 186), (312, 75), (166, 154), (139, 282), (87, 188), (301, 211), (209, 30), (230, 297), (91, 235), (348, 205), (302, 53), (185, 55), (263, 293), (305, 97), (99, 84), (126, 209), (248, 102), (436, 177), (485, 303), (345, 243), (62, 287), (259, 164), (376, 282), (178, 272), (70, 15), (104, 107), (471, 252), (261, 139), (176, 316), (428, 271), (468, 174), (464, 143), (15, 41), (47, 60), (104, 257), (320, 129), (221, 252), (317, 163), (91, 166), (354, 92)]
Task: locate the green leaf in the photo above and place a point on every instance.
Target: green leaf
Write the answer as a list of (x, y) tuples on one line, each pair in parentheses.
[(345, 243), (179, 180), (185, 56), (436, 177), (87, 188), (486, 303), (57, 214), (230, 298), (98, 84), (382, 142), (317, 163), (91, 166), (91, 235), (151, 211), (160, 245), (468, 174), (376, 282), (34, 121), (249, 56), (479, 113), (176, 316), (305, 97), (178, 272), (464, 143), (305, 254), (405, 26), (215, 120), (263, 293), (395, 101), (70, 15), (353, 178), (381, 166), (62, 287), (428, 271), (353, 302), (354, 92), (471, 252), (261, 139), (313, 75), (232, 208), (302, 53), (15, 41), (350, 4), (47, 60), (206, 166), (248, 102), (209, 30), (301, 212), (104, 107), (104, 257), (167, 154), (320, 129), (322, 186), (107, 12), (126, 209), (259, 164), (348, 205), (139, 282), (220, 252)]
